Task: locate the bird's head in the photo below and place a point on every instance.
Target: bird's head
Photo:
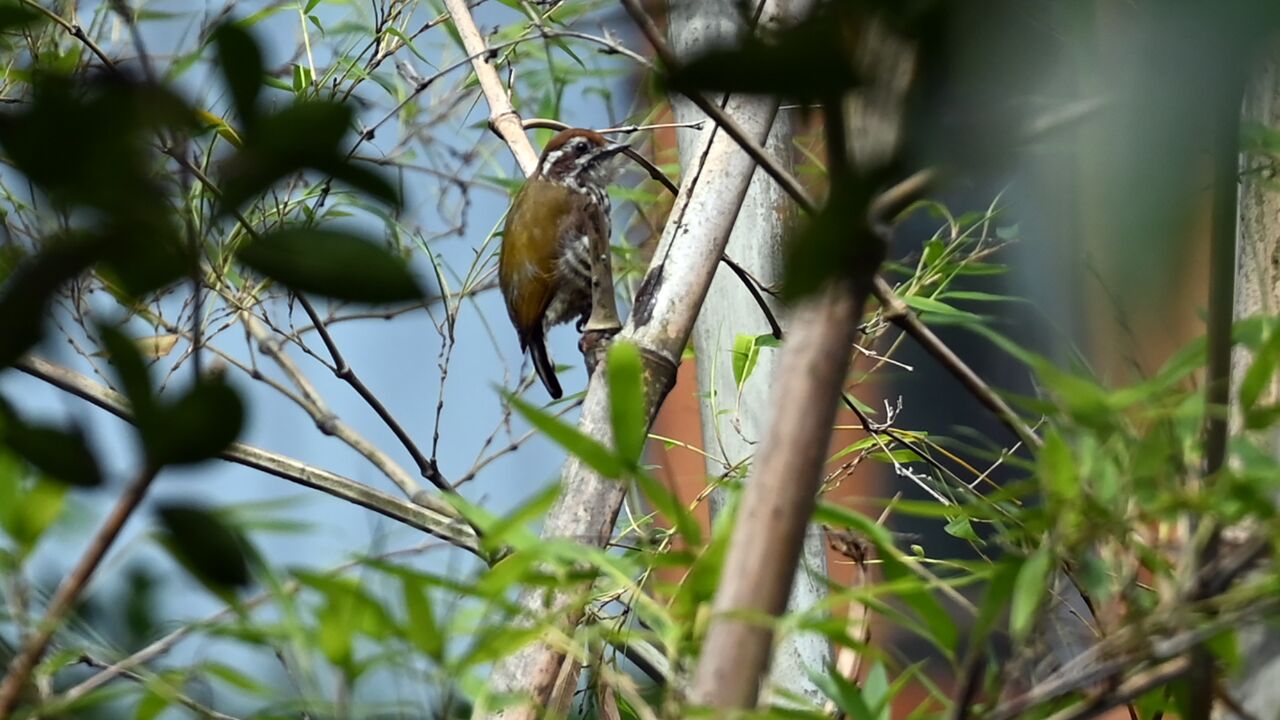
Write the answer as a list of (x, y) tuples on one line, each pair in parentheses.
[(579, 159)]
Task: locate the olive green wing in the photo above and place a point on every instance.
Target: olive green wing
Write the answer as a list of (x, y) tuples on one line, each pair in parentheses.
[(530, 247)]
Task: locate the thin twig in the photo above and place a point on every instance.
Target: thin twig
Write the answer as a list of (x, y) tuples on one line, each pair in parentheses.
[(173, 692), (343, 370), (75, 31), (1127, 691)]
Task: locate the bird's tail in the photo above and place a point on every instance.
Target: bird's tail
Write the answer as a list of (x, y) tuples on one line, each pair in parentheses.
[(542, 364)]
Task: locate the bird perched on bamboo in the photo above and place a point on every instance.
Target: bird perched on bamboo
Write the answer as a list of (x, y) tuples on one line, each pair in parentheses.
[(544, 266)]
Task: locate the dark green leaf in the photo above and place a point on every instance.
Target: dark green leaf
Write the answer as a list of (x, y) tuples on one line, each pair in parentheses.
[(135, 382), (63, 455), (365, 179), (780, 65), (332, 263), (198, 426), (241, 63), (25, 294), (836, 245), (16, 16), (305, 135), (209, 548), (626, 402)]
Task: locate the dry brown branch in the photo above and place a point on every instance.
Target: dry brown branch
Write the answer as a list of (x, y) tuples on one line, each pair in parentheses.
[(779, 500)]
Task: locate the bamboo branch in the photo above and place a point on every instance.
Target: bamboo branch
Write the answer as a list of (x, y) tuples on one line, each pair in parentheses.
[(779, 499), (503, 119), (324, 418), (433, 518)]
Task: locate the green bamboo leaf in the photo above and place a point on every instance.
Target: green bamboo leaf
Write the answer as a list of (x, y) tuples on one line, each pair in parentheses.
[(587, 449), (422, 629), (1028, 592), (1057, 469), (930, 306), (1257, 379), (630, 421)]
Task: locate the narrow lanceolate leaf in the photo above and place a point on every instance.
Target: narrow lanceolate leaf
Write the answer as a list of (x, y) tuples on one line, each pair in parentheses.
[(587, 449), (332, 263), (1028, 592), (626, 402), (1057, 468), (1258, 377), (242, 68)]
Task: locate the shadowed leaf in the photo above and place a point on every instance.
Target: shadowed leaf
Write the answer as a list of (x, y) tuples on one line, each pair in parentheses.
[(835, 245), (130, 369), (209, 548), (14, 16), (196, 427), (332, 263), (25, 294), (783, 64), (305, 135), (241, 63), (63, 455)]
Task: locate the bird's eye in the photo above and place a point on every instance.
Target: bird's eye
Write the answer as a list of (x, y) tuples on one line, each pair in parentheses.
[(580, 146)]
